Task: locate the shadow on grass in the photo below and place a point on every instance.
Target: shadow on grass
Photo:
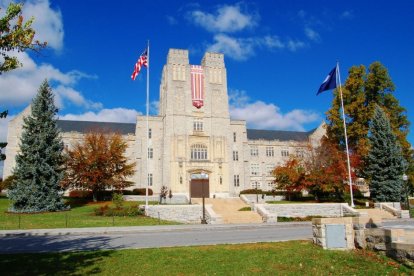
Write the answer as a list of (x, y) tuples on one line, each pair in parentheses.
[(18, 255)]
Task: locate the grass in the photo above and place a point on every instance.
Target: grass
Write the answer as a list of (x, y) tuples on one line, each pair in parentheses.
[(247, 208), (81, 214), (283, 258)]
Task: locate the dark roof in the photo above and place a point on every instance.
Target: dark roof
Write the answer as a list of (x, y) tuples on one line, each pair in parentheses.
[(86, 126), (281, 135)]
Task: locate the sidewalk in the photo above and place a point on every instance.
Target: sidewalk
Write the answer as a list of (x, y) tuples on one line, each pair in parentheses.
[(141, 229)]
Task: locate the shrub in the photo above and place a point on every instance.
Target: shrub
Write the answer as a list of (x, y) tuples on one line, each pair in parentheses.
[(251, 191), (80, 194), (127, 211), (141, 191)]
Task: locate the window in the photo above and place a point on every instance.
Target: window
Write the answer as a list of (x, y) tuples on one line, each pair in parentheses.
[(198, 152), (235, 155), (150, 179), (254, 169), (198, 125), (221, 180), (150, 153), (234, 136), (236, 180), (270, 151), (270, 185), (256, 184), (300, 153), (254, 151), (149, 133), (285, 153), (181, 180), (269, 169)]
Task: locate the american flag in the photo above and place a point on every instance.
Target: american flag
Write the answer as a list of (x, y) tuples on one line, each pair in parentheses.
[(197, 85), (143, 60)]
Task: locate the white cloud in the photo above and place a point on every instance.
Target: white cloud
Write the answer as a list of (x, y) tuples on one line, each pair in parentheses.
[(236, 48), (312, 34), (171, 20), (122, 115), (226, 19), (47, 22), (262, 115), (243, 48), (294, 45), (20, 85), (347, 15)]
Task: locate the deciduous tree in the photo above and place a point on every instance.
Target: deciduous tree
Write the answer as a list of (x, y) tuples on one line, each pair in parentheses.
[(98, 163), (362, 91), (38, 170)]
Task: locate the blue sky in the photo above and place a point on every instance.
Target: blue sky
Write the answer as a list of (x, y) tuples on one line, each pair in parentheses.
[(277, 53)]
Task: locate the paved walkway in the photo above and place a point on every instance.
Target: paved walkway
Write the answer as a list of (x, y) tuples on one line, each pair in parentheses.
[(228, 209)]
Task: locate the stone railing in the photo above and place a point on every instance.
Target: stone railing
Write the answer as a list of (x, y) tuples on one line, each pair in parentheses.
[(267, 217), (211, 216), (310, 209), (394, 208)]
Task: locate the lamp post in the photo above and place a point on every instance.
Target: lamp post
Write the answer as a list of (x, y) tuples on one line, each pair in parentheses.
[(405, 179)]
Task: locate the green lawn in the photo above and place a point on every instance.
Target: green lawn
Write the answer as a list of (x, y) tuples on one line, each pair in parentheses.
[(80, 215), (283, 258)]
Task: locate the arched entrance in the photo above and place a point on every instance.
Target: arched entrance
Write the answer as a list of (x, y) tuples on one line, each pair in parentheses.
[(199, 185)]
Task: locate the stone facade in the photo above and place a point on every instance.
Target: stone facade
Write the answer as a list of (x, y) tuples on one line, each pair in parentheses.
[(234, 158)]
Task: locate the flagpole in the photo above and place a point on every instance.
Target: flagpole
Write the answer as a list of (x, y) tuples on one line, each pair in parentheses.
[(346, 136), (147, 109)]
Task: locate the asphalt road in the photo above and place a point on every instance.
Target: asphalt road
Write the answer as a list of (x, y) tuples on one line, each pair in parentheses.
[(165, 237)]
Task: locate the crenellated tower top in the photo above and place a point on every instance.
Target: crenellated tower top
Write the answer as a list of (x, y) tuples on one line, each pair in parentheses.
[(213, 60), (178, 56)]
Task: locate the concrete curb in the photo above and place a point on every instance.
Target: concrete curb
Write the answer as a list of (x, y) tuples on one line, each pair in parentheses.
[(141, 229)]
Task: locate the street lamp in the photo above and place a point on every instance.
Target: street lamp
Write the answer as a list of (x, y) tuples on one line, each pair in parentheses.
[(405, 179)]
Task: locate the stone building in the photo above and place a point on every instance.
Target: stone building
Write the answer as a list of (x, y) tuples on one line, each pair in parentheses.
[(193, 135)]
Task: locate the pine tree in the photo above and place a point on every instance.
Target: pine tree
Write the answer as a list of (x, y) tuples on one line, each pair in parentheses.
[(385, 163), (38, 171)]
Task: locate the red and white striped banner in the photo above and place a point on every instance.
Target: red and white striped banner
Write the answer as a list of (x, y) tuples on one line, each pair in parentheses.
[(197, 85)]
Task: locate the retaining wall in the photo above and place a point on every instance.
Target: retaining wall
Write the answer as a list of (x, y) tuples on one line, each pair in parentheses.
[(310, 209)]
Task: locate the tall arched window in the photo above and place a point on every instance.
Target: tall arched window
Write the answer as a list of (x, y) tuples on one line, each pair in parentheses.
[(198, 152)]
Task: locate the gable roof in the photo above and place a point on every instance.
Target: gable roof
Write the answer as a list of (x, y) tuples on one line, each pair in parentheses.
[(281, 135), (86, 126)]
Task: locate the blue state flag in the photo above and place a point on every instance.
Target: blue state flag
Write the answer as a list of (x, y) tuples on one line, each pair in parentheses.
[(329, 83)]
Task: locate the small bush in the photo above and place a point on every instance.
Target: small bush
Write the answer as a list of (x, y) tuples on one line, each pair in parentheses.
[(141, 191), (247, 208), (290, 219), (127, 211), (80, 194), (251, 191)]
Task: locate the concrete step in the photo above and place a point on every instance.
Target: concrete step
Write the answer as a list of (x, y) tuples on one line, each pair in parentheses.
[(228, 209), (376, 213)]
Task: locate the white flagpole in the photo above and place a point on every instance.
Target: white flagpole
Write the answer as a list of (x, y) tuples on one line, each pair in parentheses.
[(147, 107), (346, 137)]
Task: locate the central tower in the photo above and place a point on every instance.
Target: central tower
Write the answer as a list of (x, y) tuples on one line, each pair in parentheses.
[(196, 123)]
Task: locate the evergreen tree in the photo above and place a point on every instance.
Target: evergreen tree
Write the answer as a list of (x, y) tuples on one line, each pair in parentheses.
[(38, 171), (385, 163)]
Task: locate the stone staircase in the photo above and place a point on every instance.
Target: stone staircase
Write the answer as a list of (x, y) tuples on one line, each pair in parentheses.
[(228, 209), (378, 213)]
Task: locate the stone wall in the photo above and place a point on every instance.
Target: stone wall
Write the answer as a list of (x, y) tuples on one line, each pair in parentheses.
[(308, 209), (181, 213), (319, 231)]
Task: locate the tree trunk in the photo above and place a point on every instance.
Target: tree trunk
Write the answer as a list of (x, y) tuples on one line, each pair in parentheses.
[(95, 195)]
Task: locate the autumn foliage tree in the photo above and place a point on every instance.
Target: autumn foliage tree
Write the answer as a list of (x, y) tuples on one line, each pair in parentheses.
[(322, 172), (98, 163)]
